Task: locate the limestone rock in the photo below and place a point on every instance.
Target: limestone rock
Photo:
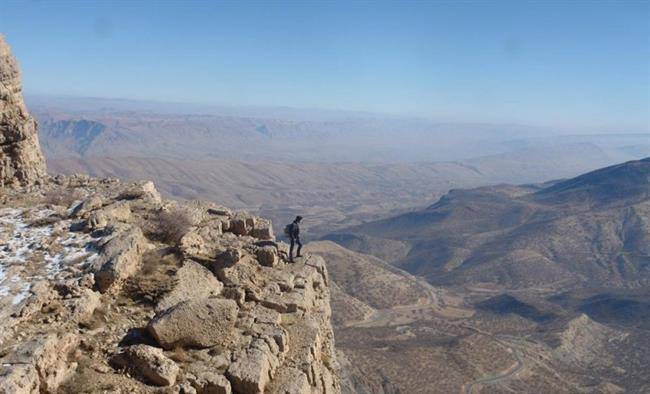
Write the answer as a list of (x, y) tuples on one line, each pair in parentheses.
[(86, 206), (21, 159), (150, 363), (197, 323), (241, 223), (18, 379), (291, 381), (192, 281), (265, 315), (185, 388), (193, 246), (209, 382), (250, 372), (261, 325), (42, 293), (203, 213), (227, 258), (114, 213), (141, 190), (120, 258), (83, 306), (44, 357), (267, 256), (262, 229), (206, 244)]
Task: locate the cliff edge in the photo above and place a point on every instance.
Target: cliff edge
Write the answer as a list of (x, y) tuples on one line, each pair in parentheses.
[(107, 287)]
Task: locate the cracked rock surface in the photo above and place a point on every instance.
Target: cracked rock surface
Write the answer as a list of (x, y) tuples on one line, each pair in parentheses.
[(127, 304)]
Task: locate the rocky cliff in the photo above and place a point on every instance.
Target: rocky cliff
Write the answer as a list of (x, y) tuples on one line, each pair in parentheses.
[(106, 287), (21, 160)]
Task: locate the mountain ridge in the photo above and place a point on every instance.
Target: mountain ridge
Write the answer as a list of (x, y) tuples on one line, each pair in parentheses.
[(509, 235)]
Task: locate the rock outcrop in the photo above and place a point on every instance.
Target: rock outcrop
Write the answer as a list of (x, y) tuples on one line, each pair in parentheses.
[(149, 363), (226, 312), (107, 287), (21, 160)]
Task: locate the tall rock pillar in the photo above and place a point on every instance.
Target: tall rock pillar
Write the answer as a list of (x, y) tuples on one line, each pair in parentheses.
[(21, 159)]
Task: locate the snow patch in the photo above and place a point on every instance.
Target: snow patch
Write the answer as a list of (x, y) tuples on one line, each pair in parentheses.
[(30, 253)]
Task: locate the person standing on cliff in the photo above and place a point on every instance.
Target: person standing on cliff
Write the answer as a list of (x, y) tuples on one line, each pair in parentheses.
[(293, 232)]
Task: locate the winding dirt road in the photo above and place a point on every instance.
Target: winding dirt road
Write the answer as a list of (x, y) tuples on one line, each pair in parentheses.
[(434, 303), (509, 373), (505, 375)]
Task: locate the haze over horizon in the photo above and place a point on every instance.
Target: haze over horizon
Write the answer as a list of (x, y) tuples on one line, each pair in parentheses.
[(470, 181), (582, 66)]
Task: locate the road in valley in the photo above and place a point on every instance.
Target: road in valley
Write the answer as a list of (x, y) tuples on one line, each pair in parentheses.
[(509, 373)]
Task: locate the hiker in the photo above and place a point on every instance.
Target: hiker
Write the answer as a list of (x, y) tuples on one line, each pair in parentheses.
[(293, 232)]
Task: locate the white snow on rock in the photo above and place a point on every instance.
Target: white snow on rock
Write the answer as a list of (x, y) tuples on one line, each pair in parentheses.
[(34, 252)]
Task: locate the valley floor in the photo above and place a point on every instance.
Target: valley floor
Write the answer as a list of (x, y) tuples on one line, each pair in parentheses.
[(447, 342)]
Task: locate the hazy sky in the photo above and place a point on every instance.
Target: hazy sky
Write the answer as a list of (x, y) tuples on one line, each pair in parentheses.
[(569, 64)]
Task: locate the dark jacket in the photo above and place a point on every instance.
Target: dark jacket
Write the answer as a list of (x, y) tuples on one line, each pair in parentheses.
[(295, 230)]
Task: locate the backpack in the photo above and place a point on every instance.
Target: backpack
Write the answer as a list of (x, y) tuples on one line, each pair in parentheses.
[(288, 230)]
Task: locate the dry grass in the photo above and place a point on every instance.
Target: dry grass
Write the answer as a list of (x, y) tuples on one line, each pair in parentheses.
[(170, 226), (62, 197), (179, 355), (155, 278)]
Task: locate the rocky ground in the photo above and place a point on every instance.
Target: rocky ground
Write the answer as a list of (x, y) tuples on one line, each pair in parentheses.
[(105, 287)]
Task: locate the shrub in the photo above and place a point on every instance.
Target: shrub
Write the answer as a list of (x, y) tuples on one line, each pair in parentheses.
[(62, 197), (171, 226)]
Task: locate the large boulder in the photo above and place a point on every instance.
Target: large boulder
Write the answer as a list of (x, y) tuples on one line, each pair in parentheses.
[(19, 379), (206, 244), (118, 212), (82, 307), (41, 362), (150, 363), (210, 382), (21, 159), (241, 223), (262, 229), (252, 368), (198, 323), (192, 281), (267, 256), (141, 190), (120, 258)]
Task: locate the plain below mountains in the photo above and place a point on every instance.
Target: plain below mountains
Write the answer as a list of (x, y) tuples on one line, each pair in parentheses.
[(337, 169), (592, 230)]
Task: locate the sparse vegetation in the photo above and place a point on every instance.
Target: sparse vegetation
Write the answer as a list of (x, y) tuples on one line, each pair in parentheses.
[(154, 279), (62, 197), (169, 226), (179, 355)]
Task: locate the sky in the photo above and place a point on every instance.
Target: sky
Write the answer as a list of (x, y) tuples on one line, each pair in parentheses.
[(582, 65)]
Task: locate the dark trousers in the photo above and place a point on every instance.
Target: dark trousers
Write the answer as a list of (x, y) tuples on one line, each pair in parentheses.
[(294, 241)]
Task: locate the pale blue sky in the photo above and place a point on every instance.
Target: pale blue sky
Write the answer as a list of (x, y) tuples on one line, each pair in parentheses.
[(576, 64)]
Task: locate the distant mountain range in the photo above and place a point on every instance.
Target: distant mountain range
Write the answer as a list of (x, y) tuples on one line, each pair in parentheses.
[(592, 230), (90, 127), (335, 168)]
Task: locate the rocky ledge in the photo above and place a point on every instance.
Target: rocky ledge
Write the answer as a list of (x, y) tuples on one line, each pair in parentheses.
[(106, 287)]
